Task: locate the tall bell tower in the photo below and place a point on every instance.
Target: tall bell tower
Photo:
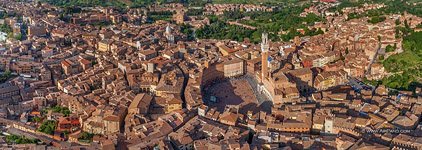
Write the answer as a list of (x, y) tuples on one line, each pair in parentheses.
[(264, 56)]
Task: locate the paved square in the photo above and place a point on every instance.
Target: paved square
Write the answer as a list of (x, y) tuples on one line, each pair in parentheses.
[(233, 92)]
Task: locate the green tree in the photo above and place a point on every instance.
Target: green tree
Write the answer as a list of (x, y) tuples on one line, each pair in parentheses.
[(86, 137), (6, 28), (381, 57), (57, 109), (397, 22), (48, 127), (390, 48), (194, 12), (19, 37), (377, 19), (188, 31), (5, 76), (36, 119), (406, 24), (15, 139)]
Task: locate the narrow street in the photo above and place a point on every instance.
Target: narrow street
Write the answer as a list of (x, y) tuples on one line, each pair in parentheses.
[(368, 71)]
